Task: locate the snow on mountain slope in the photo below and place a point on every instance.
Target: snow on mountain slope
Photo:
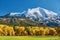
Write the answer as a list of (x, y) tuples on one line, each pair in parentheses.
[(15, 13), (50, 13), (39, 12), (47, 12), (31, 12)]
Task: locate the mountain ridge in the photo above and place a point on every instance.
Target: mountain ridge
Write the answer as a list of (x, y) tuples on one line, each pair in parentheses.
[(38, 15)]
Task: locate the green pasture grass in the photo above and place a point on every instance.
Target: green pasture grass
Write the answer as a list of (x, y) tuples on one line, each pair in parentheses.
[(29, 38)]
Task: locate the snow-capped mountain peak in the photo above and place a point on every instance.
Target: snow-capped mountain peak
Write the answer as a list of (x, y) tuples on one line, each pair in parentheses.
[(39, 15), (36, 12), (32, 12)]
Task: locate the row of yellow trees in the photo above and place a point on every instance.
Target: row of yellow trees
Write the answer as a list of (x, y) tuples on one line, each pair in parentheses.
[(6, 30)]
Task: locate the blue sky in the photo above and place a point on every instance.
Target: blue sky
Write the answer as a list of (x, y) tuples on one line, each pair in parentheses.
[(7, 6)]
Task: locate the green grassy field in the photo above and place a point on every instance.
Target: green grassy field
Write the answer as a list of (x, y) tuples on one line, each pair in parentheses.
[(29, 38)]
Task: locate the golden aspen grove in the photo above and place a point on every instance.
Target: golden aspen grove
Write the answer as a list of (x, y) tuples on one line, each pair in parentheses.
[(6, 30)]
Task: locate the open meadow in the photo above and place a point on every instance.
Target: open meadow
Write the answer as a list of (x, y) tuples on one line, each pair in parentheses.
[(29, 38)]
